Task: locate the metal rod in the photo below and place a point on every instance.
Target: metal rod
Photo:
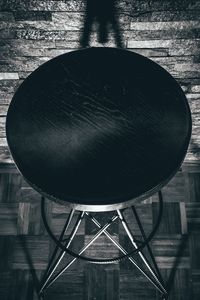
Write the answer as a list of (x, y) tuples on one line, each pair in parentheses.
[(66, 226), (148, 246), (124, 252), (82, 250), (125, 225), (60, 257)]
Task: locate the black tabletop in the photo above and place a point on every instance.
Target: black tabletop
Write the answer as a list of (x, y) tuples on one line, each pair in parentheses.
[(98, 126)]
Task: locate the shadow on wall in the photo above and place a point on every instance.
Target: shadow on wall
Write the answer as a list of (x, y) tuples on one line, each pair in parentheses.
[(104, 14), (195, 148)]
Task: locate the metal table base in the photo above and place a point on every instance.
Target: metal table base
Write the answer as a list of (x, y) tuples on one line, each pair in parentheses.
[(153, 274)]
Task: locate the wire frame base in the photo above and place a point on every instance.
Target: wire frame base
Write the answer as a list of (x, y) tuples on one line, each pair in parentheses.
[(62, 247)]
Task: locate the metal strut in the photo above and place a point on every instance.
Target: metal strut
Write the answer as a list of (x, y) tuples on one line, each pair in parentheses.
[(51, 269), (49, 278), (107, 260), (144, 259)]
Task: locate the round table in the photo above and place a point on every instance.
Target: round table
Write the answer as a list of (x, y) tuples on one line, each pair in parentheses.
[(98, 128)]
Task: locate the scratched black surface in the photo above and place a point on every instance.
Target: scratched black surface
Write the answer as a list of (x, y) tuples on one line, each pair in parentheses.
[(98, 126)]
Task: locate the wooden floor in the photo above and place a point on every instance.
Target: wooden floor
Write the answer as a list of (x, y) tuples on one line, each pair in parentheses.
[(25, 247)]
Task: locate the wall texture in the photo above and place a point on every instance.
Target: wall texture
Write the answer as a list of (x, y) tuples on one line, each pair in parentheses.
[(34, 31)]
